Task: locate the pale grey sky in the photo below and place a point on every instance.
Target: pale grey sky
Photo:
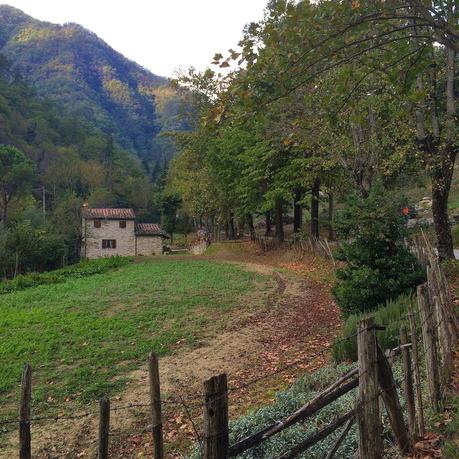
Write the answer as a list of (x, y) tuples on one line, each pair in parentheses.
[(161, 35)]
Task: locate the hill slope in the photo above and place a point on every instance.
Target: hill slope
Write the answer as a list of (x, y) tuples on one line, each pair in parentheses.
[(79, 71)]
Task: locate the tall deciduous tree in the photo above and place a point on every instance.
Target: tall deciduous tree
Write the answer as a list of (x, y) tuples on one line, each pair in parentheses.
[(16, 176), (303, 42)]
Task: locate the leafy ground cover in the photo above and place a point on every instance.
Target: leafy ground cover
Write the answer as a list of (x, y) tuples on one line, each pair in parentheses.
[(388, 316), (82, 336), (285, 403)]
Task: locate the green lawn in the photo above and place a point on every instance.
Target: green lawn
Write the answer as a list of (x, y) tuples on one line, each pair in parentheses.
[(83, 335)]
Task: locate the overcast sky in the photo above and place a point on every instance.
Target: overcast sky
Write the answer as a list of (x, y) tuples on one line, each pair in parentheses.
[(161, 35)]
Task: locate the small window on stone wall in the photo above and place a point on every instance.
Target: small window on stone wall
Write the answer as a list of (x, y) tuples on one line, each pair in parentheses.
[(122, 223), (97, 223), (109, 243)]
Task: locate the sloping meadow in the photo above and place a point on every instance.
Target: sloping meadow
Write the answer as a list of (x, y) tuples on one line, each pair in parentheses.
[(83, 334)]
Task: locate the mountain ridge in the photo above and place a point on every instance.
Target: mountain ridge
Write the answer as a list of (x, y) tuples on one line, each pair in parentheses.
[(74, 67)]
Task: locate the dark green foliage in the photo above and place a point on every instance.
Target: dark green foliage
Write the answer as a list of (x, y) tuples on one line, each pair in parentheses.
[(169, 204), (84, 268), (79, 71), (16, 176), (24, 248), (379, 266), (391, 316)]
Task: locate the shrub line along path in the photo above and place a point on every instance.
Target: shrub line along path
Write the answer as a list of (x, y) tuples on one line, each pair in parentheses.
[(297, 319)]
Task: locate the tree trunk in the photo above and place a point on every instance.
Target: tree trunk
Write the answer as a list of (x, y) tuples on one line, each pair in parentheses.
[(268, 223), (4, 215), (439, 157), (232, 229), (442, 163), (315, 208), (4, 210), (251, 227), (240, 227), (441, 184), (331, 217), (279, 223), (297, 212)]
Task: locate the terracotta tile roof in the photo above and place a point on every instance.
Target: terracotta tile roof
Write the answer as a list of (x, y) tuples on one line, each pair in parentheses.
[(149, 229), (109, 213)]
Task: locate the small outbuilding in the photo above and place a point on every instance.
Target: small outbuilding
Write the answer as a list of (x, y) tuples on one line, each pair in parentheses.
[(149, 239)]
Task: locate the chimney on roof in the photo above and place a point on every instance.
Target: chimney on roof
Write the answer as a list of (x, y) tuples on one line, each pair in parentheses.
[(85, 203)]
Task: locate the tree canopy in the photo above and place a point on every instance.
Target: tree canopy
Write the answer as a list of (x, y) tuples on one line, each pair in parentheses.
[(324, 97)]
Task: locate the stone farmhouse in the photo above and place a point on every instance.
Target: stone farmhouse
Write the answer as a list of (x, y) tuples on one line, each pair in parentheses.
[(109, 231)]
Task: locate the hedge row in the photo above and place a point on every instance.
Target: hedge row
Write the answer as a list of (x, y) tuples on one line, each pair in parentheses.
[(84, 268)]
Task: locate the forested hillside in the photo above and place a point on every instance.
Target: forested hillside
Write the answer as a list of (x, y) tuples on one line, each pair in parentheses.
[(50, 161), (80, 72)]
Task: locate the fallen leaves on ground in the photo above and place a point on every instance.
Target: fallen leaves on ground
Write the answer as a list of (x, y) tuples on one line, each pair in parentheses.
[(306, 321)]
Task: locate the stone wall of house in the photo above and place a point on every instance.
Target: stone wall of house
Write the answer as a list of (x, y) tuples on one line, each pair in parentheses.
[(149, 245), (110, 229)]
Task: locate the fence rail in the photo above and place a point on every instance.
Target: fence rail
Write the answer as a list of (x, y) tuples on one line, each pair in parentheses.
[(373, 379)]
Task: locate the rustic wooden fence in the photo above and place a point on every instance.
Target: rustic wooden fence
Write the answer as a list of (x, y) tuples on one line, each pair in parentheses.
[(301, 246), (431, 349)]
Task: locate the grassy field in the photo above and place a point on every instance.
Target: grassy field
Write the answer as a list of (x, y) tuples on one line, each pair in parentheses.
[(83, 335)]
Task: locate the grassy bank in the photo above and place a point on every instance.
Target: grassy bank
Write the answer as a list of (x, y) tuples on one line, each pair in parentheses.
[(84, 268)]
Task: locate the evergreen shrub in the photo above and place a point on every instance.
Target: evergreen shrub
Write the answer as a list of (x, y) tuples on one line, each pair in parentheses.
[(379, 265)]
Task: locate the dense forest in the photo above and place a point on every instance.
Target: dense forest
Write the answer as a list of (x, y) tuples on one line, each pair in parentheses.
[(323, 99), (87, 78)]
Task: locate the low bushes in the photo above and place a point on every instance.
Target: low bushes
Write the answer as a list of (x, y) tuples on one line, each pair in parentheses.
[(26, 247), (389, 316), (82, 269)]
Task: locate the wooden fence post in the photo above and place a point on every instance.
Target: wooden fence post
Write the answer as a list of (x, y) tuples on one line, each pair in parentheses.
[(25, 447), (429, 337), (216, 436), (417, 374), (104, 427), (369, 421), (408, 382), (155, 401), (392, 402)]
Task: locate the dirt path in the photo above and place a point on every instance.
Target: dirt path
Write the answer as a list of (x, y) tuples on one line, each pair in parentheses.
[(298, 319)]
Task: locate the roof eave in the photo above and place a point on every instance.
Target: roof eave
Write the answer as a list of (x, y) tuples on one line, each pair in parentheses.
[(165, 236)]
